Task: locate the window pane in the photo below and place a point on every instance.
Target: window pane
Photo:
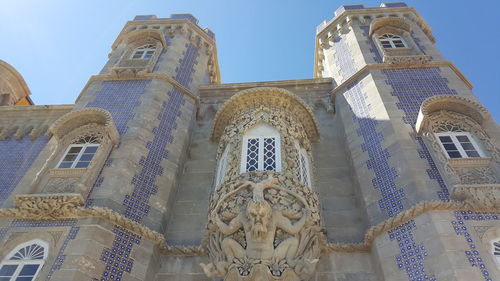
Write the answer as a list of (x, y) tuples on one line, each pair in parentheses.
[(472, 153), (86, 157), (4, 278), (81, 164), (252, 154), (8, 270), (24, 278), (65, 164), (29, 270), (75, 149), (444, 139), (269, 154), (463, 139), (454, 154), (91, 149), (468, 146), (70, 157), (450, 146)]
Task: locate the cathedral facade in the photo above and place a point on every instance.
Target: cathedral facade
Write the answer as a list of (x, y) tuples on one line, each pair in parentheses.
[(384, 166)]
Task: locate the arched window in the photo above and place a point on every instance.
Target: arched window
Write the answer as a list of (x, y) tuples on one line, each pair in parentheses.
[(222, 167), (456, 142), (302, 162), (143, 53), (80, 153), (496, 250), (24, 262), (391, 41), (261, 149)]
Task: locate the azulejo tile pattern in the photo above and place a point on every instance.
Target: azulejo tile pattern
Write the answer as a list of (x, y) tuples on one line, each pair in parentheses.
[(412, 255), (412, 87), (120, 98), (117, 259), (3, 232), (185, 70), (384, 180), (137, 203), (343, 58), (373, 49), (460, 226), (20, 154), (61, 256), (411, 258)]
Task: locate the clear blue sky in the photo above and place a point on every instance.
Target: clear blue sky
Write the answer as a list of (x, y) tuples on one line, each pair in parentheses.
[(56, 45)]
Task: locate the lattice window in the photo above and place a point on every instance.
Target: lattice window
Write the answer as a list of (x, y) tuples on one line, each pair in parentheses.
[(303, 165), (496, 250), (24, 262), (391, 41), (143, 53), (80, 153), (222, 167), (261, 150), (459, 145)]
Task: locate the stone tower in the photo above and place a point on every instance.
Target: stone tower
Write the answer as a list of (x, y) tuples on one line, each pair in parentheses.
[(384, 166)]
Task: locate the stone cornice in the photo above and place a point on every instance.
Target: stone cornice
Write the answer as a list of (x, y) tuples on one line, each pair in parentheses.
[(347, 16), (142, 76), (281, 83), (73, 211), (163, 21), (26, 108), (380, 66)]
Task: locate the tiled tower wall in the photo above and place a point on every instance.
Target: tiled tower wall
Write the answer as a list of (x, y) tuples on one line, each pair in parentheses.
[(139, 177), (395, 168)]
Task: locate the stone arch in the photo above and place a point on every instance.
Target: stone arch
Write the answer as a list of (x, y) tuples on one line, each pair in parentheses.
[(381, 25), (12, 85), (79, 118), (453, 103), (270, 97), (143, 35)]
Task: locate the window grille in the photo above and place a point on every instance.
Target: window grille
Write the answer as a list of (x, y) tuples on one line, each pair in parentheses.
[(391, 41), (24, 263)]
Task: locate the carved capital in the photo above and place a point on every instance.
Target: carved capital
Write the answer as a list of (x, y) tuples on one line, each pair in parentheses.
[(48, 206)]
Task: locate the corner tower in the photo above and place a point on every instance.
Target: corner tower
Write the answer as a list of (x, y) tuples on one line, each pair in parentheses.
[(414, 130)]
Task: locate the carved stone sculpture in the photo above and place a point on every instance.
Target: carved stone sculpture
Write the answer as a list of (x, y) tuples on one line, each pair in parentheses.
[(263, 231)]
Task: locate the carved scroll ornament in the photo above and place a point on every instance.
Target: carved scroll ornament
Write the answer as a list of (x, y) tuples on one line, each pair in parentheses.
[(263, 230)]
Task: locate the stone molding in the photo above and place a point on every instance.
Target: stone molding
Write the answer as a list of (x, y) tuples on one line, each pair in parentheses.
[(67, 173), (142, 76), (382, 66), (268, 96), (476, 162), (199, 250), (407, 60), (48, 206), (78, 118), (479, 194), (454, 103), (400, 23)]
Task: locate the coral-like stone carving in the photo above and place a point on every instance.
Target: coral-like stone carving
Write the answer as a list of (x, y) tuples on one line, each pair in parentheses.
[(487, 195), (48, 206), (263, 230), (407, 60)]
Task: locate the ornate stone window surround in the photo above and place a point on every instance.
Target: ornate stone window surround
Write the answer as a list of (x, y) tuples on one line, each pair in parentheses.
[(222, 166), (411, 53), (89, 122), (135, 40), (26, 263), (303, 165), (263, 136), (474, 178)]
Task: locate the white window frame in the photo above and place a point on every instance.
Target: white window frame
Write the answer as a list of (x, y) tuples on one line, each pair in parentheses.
[(144, 49), (21, 263), (496, 257), (303, 169), (453, 136), (80, 154), (222, 167), (261, 132), (391, 41)]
